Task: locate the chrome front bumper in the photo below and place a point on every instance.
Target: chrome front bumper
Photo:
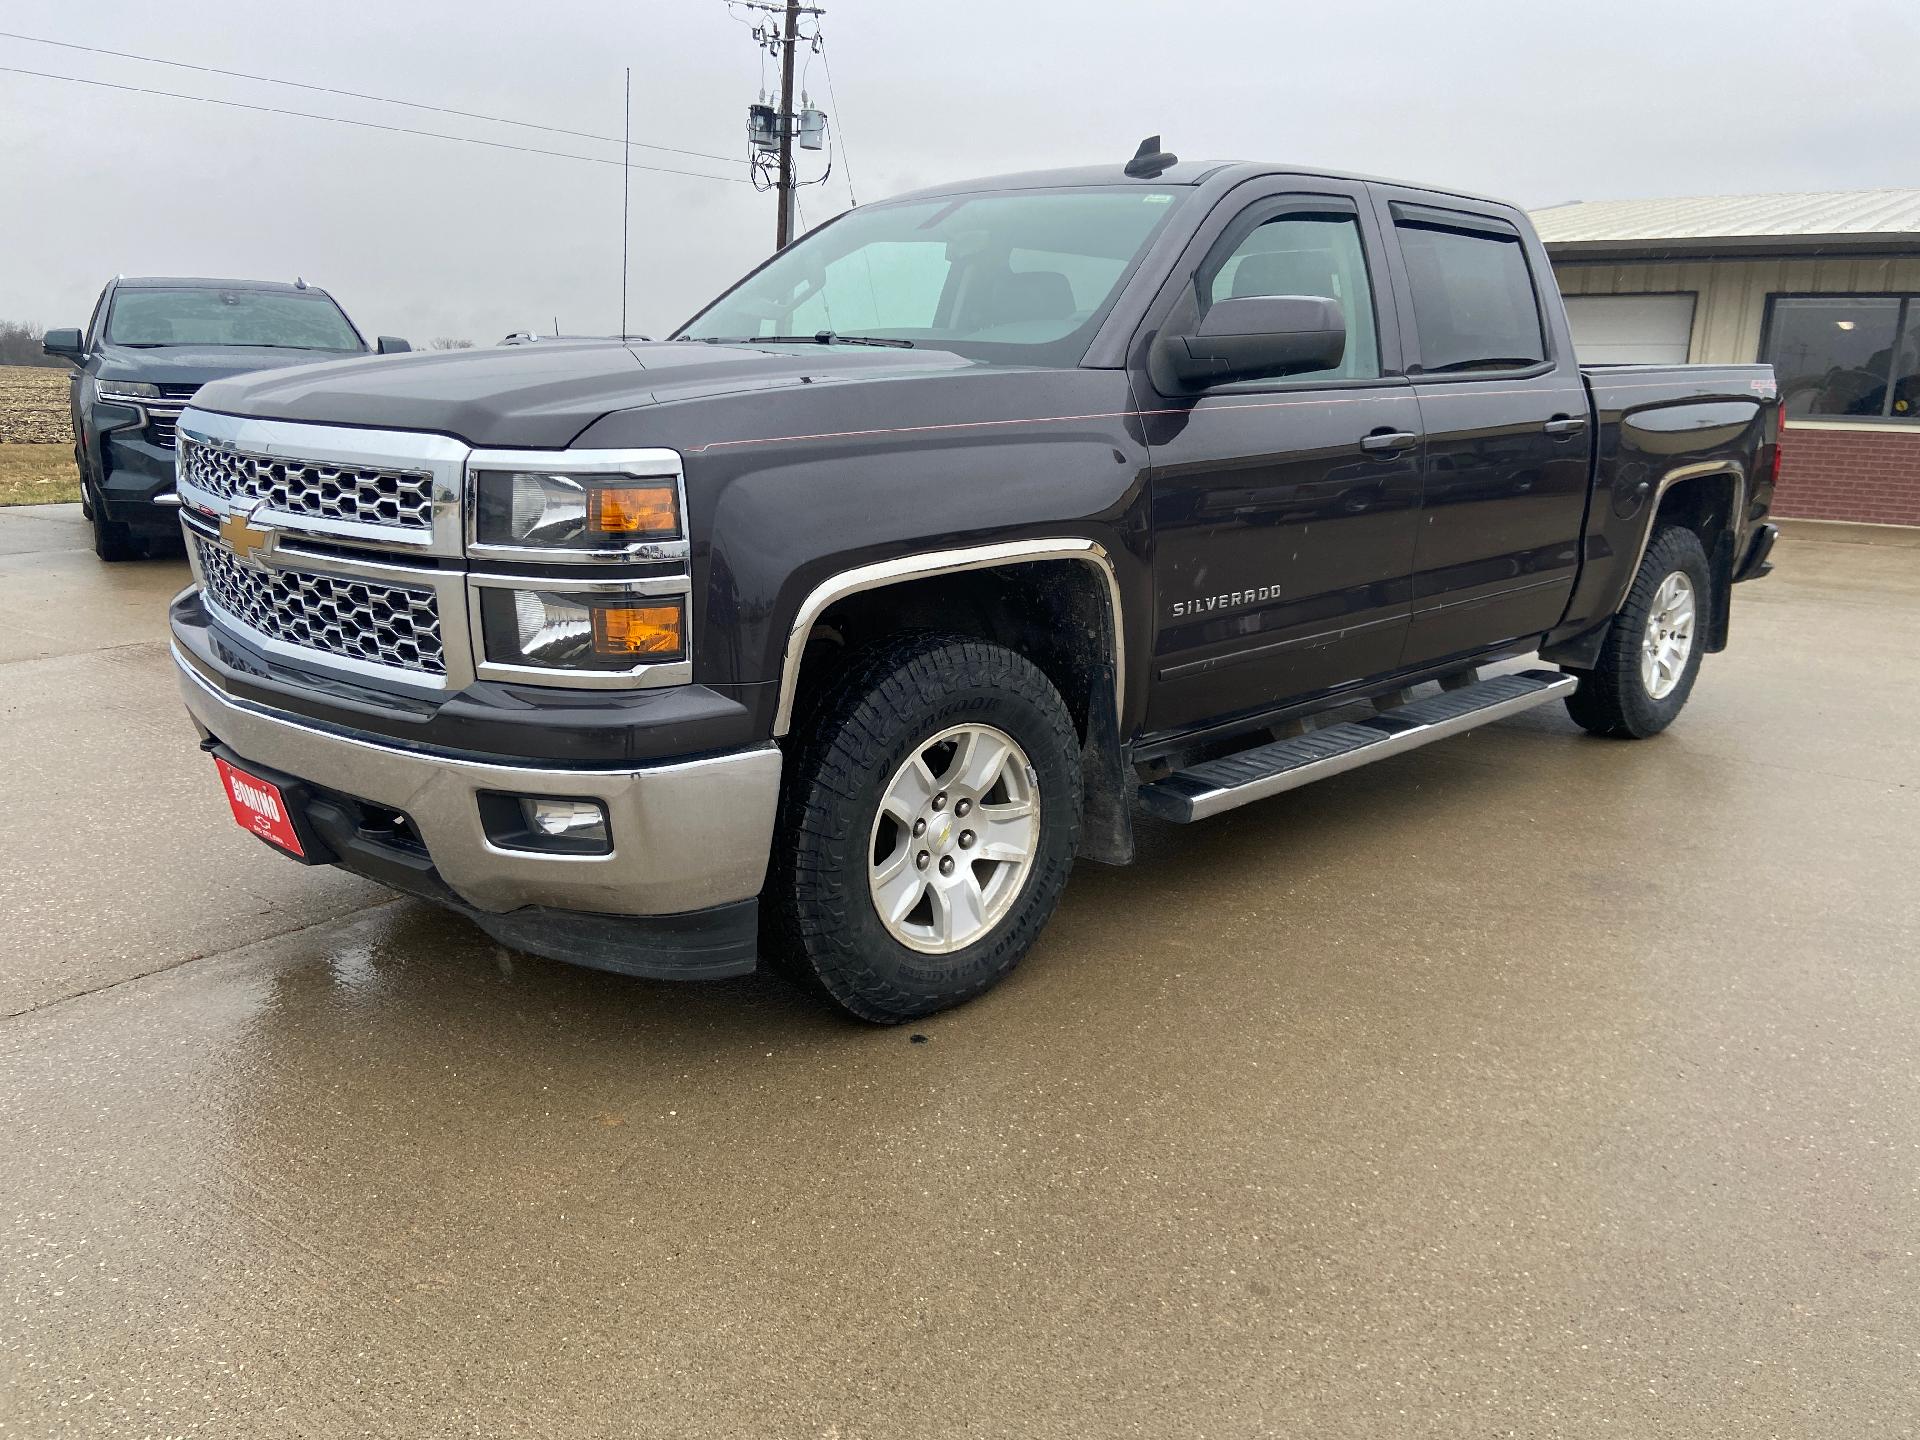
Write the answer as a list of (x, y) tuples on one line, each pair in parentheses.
[(686, 836)]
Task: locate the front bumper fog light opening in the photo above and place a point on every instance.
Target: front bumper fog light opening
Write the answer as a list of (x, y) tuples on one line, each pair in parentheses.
[(546, 824)]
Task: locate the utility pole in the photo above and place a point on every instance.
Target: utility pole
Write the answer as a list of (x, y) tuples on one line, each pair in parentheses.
[(791, 122), (788, 196)]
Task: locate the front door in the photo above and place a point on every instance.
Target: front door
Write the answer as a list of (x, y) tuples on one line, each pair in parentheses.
[(1505, 413), (1283, 511)]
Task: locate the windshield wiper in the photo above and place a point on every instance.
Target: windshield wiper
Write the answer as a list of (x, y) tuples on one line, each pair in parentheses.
[(819, 337)]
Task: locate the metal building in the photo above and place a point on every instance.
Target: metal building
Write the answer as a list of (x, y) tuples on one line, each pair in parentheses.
[(1825, 287)]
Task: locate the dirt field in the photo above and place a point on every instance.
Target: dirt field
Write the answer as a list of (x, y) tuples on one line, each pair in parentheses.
[(33, 406), (36, 437)]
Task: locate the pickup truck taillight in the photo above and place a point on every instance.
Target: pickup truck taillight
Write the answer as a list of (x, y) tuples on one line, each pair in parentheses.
[(1779, 444)]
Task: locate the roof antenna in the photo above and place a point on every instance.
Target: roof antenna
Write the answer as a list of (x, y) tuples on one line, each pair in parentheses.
[(299, 282), (1149, 160)]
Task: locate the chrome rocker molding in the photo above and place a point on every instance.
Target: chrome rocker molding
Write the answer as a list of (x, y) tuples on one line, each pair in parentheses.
[(686, 836), (946, 562)]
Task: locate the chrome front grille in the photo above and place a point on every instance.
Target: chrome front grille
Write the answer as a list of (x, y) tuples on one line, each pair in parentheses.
[(362, 494), (337, 615), (160, 424)]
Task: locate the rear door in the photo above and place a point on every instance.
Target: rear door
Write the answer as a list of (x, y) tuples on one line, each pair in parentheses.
[(1506, 421), (1283, 510)]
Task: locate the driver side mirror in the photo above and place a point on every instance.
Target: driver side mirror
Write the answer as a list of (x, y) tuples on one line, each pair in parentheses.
[(391, 345), (65, 342), (1253, 337)]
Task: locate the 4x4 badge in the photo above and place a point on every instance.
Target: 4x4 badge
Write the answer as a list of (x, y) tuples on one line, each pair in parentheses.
[(247, 541)]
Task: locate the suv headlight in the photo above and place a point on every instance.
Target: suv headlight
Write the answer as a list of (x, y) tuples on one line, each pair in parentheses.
[(130, 391), (555, 510)]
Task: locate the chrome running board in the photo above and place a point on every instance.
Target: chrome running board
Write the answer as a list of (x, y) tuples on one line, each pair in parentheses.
[(1233, 780)]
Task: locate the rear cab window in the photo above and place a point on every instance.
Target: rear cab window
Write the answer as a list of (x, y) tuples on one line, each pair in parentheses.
[(1475, 305)]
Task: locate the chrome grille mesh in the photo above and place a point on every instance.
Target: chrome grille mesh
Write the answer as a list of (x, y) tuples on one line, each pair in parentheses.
[(331, 614), (365, 494)]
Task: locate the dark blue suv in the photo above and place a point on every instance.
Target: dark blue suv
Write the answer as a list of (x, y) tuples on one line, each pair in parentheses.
[(150, 345)]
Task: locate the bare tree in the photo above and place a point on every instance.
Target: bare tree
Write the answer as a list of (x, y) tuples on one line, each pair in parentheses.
[(20, 345), (447, 342)]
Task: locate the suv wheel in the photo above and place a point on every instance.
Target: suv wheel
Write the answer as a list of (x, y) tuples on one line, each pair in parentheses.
[(1652, 654), (928, 825), (112, 541)]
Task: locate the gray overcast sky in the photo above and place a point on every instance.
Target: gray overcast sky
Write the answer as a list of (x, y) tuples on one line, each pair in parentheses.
[(1536, 100)]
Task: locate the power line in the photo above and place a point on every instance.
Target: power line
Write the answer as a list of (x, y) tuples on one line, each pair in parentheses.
[(359, 95), (839, 123), (368, 125)]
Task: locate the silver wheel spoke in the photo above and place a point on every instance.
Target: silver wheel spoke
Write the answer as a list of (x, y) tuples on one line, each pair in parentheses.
[(897, 895), (1006, 832), (978, 762), (959, 909)]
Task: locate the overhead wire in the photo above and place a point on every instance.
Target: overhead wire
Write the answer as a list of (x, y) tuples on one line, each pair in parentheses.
[(839, 129), (368, 124), (363, 95)]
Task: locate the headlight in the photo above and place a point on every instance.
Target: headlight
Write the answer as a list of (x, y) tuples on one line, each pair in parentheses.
[(553, 511), (556, 630), (134, 391)]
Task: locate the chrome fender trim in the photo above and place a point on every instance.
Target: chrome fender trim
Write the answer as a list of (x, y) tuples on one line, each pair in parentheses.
[(947, 562)]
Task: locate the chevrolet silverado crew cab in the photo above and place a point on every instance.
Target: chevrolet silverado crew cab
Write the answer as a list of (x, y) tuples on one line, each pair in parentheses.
[(151, 344), (830, 631)]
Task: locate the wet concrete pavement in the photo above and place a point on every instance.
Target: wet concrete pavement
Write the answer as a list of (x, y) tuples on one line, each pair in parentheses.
[(1531, 1084)]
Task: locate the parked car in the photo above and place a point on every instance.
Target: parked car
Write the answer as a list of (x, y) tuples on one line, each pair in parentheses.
[(831, 631), (150, 345)]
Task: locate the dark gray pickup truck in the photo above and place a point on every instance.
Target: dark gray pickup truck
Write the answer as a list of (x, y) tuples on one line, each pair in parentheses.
[(923, 561)]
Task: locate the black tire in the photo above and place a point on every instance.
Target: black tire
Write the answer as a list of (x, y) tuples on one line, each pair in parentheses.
[(112, 541), (1613, 698), (822, 923)]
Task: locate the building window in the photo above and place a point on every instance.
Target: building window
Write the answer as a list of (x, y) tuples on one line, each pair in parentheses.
[(1853, 357)]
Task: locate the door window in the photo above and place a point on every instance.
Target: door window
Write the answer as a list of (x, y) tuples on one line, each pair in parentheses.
[(1473, 299), (1304, 255)]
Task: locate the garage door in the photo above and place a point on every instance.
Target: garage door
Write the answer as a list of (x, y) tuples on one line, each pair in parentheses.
[(1631, 329)]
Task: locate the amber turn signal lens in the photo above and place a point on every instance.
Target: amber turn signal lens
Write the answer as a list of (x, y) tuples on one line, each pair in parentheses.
[(645, 630), (638, 511)]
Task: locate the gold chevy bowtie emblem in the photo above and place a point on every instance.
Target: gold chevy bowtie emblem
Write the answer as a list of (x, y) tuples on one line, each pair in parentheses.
[(239, 534)]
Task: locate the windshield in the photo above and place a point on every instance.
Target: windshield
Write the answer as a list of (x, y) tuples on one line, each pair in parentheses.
[(1017, 276), (282, 319)]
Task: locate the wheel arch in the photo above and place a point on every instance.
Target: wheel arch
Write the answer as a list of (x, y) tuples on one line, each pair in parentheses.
[(1057, 600), (1707, 498)]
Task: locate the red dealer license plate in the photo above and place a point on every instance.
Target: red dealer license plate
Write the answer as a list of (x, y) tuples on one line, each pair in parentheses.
[(260, 807)]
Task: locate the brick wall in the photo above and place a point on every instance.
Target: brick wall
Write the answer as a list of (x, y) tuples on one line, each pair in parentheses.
[(1850, 475)]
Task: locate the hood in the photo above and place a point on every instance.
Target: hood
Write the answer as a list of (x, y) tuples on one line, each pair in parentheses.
[(196, 364), (541, 396)]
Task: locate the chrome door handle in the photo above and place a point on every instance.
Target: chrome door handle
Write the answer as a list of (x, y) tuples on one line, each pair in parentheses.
[(1387, 442), (1565, 425)]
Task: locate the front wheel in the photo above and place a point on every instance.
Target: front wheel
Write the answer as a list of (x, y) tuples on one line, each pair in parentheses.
[(928, 825), (112, 540), (1651, 657)]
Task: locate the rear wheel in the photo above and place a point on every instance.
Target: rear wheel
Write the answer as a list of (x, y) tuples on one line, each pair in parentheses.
[(928, 825), (1651, 658)]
